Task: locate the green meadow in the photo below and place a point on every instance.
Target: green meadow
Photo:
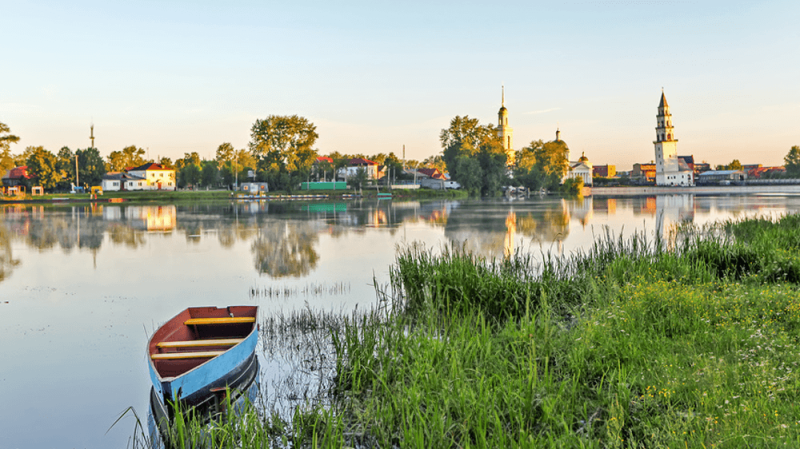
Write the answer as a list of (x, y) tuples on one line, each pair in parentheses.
[(690, 341)]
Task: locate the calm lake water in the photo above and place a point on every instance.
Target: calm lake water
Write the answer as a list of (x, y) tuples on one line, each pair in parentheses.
[(82, 287)]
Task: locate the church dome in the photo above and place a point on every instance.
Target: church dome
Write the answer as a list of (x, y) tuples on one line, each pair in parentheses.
[(583, 157)]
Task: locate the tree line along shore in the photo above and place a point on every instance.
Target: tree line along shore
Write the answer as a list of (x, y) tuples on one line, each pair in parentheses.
[(684, 341)]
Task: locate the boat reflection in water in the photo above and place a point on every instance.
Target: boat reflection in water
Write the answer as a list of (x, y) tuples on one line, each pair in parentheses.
[(243, 393)]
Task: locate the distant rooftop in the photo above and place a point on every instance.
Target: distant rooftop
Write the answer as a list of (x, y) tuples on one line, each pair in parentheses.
[(720, 172)]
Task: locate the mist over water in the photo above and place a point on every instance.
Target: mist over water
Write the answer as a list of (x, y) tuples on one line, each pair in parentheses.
[(82, 287)]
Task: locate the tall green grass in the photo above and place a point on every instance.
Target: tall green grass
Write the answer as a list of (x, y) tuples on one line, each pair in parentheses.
[(690, 341)]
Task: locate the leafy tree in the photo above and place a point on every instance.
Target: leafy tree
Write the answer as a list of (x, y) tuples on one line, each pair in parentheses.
[(466, 138), (734, 165), (166, 162), (379, 158), (22, 159), (225, 153), (233, 164), (493, 160), (65, 163), (552, 162), (792, 161), (91, 167), (464, 133), (188, 159), (322, 168), (42, 164), (130, 156), (189, 175), (469, 174), (542, 164), (340, 163), (525, 169), (285, 140), (358, 179), (6, 139), (435, 161), (210, 174), (572, 186), (394, 167)]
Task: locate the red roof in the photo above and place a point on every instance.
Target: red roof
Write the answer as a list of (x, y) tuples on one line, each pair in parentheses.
[(362, 161), (757, 172), (325, 159), (19, 172), (431, 173), (147, 166)]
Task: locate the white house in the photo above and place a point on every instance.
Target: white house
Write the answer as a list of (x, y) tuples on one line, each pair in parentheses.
[(116, 181), (371, 167), (155, 176)]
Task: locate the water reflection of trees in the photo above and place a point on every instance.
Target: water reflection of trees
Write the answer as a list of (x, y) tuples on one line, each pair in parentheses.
[(285, 248), (7, 261), (546, 226), (85, 226)]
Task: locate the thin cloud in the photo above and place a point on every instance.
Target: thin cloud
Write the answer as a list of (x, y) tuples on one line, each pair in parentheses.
[(543, 111)]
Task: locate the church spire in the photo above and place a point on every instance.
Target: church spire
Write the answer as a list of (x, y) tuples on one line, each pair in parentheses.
[(663, 102), (504, 132)]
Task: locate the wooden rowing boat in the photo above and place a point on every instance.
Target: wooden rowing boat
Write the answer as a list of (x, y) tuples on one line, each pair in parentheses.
[(200, 351)]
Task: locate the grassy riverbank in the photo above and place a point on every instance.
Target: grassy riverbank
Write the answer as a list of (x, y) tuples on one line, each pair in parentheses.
[(211, 195), (687, 343)]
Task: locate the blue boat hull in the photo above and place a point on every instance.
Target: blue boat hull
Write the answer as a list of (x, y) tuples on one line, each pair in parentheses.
[(185, 365), (243, 388), (208, 375)]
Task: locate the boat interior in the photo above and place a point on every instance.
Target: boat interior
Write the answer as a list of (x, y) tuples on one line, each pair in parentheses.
[(197, 335)]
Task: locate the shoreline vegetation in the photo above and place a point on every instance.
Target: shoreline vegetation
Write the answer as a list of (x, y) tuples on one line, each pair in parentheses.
[(205, 195), (686, 341)]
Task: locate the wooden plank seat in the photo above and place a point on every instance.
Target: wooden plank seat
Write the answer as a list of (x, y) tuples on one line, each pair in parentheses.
[(223, 320), (186, 355), (200, 343)]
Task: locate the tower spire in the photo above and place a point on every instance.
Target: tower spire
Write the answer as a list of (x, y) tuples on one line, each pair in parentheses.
[(504, 132), (91, 136)]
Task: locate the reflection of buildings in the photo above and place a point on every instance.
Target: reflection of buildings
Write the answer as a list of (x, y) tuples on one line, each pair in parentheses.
[(154, 218), (582, 209), (143, 218), (511, 229), (605, 206)]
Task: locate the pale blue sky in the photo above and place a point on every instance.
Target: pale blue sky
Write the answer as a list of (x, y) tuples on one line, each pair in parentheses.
[(177, 77)]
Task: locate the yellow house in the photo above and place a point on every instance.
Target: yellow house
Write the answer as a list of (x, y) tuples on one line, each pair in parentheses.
[(156, 176)]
